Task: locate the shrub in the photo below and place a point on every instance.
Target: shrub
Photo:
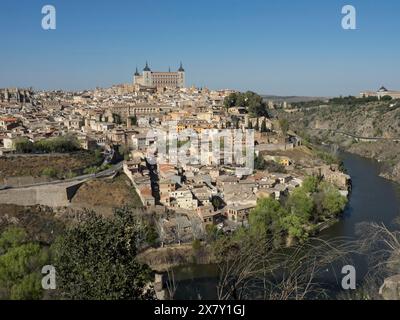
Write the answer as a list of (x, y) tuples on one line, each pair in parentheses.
[(53, 145), (49, 172)]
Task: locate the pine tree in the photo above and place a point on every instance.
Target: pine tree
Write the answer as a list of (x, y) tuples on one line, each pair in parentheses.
[(264, 126)]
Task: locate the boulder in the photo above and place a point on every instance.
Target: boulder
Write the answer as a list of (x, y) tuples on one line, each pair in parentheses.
[(390, 289)]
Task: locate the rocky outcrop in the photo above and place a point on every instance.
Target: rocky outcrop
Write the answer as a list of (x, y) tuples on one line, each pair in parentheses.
[(390, 289), (378, 121), (159, 287), (387, 153)]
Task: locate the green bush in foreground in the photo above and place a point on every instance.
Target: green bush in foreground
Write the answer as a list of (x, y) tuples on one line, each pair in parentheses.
[(21, 262), (96, 259)]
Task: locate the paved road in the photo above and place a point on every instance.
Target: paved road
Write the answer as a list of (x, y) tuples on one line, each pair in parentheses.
[(359, 137), (106, 173)]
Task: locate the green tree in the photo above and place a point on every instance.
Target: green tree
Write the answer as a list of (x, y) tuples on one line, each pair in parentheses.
[(264, 218), (252, 102), (386, 98), (217, 202), (310, 184), (63, 144), (96, 259), (23, 145), (300, 204), (212, 233), (124, 151), (21, 262), (134, 121), (230, 101), (264, 126), (284, 125), (116, 118), (98, 155), (237, 124), (294, 226), (333, 202), (255, 104), (260, 163), (257, 126)]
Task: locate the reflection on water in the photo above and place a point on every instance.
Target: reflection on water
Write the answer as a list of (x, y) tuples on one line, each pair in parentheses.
[(196, 282), (373, 199)]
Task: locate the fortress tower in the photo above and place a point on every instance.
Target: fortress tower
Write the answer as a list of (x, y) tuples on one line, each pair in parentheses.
[(156, 79)]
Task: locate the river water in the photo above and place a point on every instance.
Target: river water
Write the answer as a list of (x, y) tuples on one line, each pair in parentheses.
[(373, 199)]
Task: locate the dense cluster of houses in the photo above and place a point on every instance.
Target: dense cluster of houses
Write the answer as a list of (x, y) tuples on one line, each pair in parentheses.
[(198, 193), (212, 194), (98, 118)]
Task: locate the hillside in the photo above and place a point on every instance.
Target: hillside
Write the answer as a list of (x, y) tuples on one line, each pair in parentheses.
[(348, 125), (292, 99), (35, 165), (103, 196)]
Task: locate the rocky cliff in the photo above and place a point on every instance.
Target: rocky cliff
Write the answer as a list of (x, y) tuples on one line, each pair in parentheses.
[(371, 130)]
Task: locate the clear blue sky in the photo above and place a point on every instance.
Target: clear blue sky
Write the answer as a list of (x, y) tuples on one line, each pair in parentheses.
[(285, 47)]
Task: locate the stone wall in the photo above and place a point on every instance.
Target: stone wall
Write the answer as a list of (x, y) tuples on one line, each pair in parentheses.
[(49, 195), (23, 181)]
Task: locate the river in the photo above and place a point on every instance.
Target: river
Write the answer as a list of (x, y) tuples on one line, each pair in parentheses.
[(373, 199)]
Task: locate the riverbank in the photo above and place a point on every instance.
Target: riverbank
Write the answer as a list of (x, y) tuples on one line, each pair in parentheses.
[(300, 215), (373, 199), (373, 131), (387, 153), (164, 259)]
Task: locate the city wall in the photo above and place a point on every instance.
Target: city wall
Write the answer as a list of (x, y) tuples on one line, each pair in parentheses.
[(48, 195)]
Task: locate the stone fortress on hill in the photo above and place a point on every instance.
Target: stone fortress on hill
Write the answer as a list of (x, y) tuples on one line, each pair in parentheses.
[(382, 91), (155, 79)]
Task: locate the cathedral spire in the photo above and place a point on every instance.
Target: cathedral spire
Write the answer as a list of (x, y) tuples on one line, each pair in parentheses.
[(181, 68)]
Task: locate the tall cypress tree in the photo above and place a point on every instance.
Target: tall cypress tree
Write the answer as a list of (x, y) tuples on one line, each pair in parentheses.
[(264, 126), (257, 127), (250, 126)]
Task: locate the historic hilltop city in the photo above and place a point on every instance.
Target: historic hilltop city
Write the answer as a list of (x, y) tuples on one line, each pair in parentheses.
[(168, 187)]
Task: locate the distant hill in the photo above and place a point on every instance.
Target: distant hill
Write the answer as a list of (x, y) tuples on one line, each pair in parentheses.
[(292, 99)]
